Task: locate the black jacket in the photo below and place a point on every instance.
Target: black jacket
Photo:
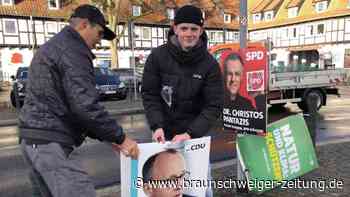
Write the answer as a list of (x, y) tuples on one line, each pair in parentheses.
[(197, 89), (243, 104), (240, 103), (61, 103)]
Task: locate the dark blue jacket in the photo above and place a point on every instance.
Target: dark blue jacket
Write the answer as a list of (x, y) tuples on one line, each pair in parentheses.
[(61, 104)]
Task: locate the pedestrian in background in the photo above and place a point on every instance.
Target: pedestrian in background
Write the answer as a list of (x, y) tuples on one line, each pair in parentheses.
[(182, 84), (61, 108)]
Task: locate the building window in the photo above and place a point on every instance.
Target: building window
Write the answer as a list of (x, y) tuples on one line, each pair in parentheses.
[(136, 10), (294, 32), (171, 13), (10, 27), (293, 12), (320, 28), (216, 36), (143, 33), (256, 17), (51, 28), (166, 32), (236, 36), (268, 16), (284, 33), (53, 4), (310, 30), (146, 33), (7, 2), (321, 6), (347, 26), (227, 18)]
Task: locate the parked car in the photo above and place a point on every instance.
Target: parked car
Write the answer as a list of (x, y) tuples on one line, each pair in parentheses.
[(19, 81), (109, 85), (127, 76)]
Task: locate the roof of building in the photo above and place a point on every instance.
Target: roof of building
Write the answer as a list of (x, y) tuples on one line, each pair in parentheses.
[(260, 6), (294, 3), (153, 11), (306, 12), (274, 5), (38, 8), (214, 11)]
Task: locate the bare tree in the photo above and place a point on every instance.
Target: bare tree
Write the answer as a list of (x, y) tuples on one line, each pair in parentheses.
[(120, 12)]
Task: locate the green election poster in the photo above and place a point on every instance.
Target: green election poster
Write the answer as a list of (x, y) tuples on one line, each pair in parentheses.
[(285, 153)]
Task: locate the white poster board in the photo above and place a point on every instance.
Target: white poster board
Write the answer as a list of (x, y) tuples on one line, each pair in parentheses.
[(180, 169)]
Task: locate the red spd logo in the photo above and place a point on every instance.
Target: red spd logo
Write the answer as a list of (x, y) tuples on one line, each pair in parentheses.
[(255, 80)]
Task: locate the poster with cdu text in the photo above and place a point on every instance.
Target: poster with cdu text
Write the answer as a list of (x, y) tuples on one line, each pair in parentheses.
[(167, 170), (245, 76), (285, 153)]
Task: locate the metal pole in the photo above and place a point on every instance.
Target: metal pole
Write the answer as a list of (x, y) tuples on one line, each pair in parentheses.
[(243, 23), (133, 65), (243, 43)]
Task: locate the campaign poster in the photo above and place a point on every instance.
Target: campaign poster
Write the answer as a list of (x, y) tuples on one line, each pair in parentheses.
[(167, 169), (285, 153), (245, 82)]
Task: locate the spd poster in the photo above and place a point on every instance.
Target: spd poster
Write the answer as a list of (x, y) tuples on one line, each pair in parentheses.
[(245, 82)]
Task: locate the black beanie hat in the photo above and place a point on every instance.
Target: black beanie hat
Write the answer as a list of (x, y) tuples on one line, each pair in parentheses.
[(189, 14)]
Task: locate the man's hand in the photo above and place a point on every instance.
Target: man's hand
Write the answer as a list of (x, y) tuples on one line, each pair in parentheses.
[(158, 135), (128, 148), (181, 138)]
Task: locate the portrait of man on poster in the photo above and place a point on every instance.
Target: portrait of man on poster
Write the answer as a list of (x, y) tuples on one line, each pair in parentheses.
[(167, 167), (249, 107)]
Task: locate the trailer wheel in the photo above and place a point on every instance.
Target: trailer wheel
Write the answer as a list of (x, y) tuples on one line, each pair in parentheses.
[(319, 100)]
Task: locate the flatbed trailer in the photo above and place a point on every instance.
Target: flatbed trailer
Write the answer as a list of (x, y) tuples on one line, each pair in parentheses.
[(297, 87), (294, 87)]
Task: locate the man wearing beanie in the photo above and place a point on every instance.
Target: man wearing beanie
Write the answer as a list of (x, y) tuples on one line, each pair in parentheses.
[(182, 84)]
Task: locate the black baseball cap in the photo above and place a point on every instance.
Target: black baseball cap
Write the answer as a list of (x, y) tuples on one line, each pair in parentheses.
[(94, 15)]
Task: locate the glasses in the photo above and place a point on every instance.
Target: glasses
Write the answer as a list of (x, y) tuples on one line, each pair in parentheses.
[(181, 176), (174, 179)]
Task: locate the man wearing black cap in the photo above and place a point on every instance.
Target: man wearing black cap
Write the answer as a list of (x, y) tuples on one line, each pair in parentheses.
[(182, 85), (61, 108)]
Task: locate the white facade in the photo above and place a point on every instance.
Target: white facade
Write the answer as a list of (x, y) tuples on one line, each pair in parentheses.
[(19, 36), (329, 37), (12, 59)]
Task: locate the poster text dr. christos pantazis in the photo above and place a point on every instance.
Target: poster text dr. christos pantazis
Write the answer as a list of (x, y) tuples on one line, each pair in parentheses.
[(245, 80)]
